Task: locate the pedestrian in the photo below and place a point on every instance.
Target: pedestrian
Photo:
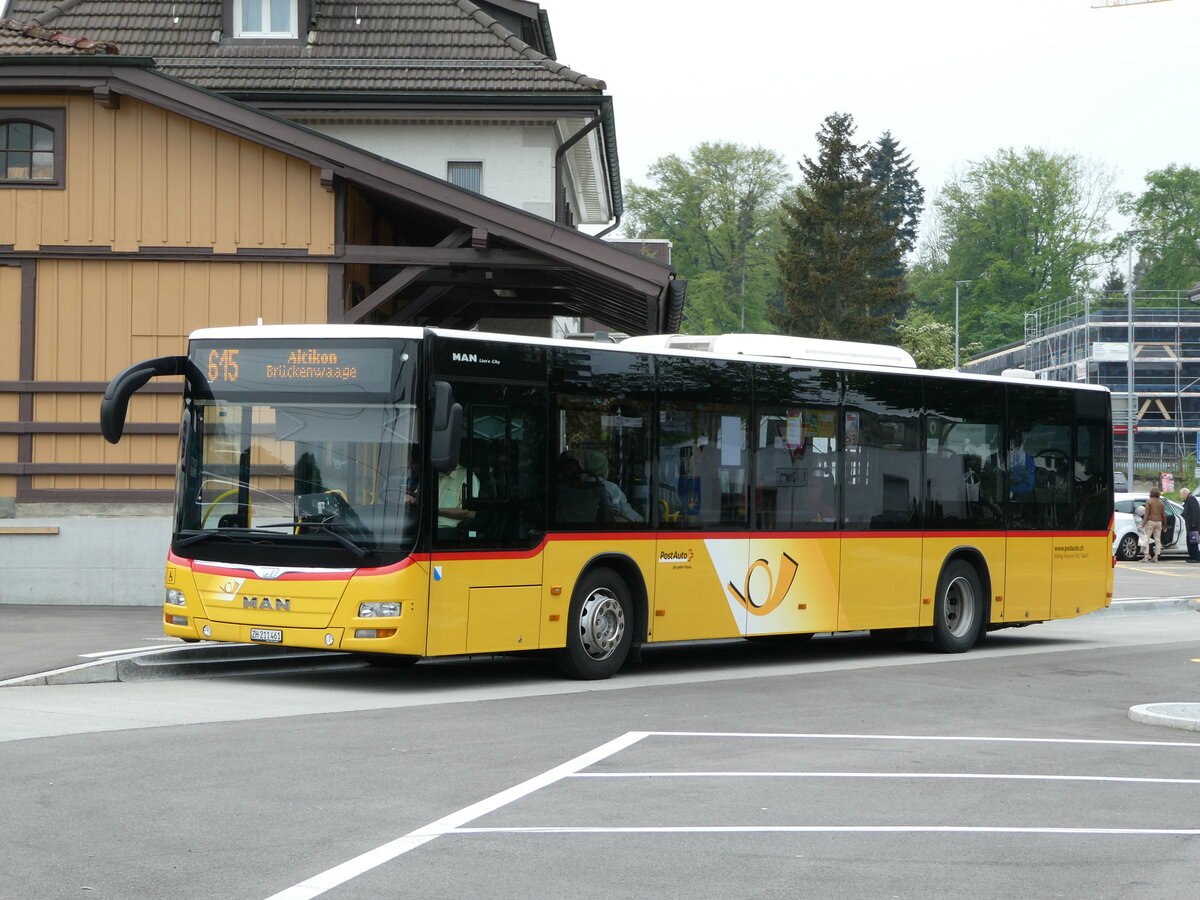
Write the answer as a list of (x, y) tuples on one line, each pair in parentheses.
[(1191, 521), (1153, 518)]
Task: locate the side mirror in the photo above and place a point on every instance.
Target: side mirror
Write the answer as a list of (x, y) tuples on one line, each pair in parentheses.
[(446, 435), (126, 383)]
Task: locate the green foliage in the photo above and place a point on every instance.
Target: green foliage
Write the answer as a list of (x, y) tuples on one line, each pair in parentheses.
[(902, 197), (1024, 229), (931, 342), (719, 210), (1169, 211), (836, 243)]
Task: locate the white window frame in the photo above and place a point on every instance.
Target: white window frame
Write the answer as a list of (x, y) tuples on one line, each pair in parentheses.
[(268, 31)]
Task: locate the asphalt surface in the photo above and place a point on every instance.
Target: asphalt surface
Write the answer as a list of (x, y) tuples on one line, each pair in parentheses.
[(49, 638)]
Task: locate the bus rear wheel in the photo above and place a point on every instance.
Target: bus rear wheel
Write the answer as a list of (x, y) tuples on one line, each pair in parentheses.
[(958, 612), (599, 627)]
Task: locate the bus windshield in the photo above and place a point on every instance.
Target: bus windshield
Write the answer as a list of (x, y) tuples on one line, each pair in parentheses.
[(300, 473)]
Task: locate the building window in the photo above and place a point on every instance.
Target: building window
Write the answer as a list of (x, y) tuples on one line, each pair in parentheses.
[(265, 18), (467, 175), (32, 147)]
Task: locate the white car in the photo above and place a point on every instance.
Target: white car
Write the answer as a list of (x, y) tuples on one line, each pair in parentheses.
[(1128, 509)]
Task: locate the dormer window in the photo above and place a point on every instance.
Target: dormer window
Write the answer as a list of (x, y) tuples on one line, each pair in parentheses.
[(265, 19)]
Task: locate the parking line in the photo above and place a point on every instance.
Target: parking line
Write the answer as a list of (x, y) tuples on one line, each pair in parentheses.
[(331, 878), (456, 822), (950, 776), (830, 829)]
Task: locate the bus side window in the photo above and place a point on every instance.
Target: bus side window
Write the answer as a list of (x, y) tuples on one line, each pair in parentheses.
[(601, 413)]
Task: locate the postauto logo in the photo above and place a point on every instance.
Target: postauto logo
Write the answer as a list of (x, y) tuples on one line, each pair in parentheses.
[(761, 596)]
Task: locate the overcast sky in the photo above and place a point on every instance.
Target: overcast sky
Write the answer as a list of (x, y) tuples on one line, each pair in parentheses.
[(953, 80)]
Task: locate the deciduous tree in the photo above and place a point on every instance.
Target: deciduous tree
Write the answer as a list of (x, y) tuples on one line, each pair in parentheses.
[(718, 207), (1025, 229), (1169, 211)]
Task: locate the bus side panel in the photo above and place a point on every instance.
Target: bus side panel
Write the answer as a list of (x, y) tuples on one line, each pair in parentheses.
[(938, 547), (691, 598), (1082, 574), (565, 558), (791, 584), (881, 580), (501, 589), (1028, 577)]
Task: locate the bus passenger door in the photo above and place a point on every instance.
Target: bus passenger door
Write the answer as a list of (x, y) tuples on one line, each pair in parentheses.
[(703, 485), (489, 519), (881, 502)]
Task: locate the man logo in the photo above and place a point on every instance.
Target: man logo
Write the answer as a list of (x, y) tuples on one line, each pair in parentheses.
[(776, 590), (464, 357), (279, 604)]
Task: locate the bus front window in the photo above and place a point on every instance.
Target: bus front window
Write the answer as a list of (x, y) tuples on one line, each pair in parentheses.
[(340, 477)]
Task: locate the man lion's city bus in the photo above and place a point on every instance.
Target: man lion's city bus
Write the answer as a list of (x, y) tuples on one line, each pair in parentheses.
[(425, 493)]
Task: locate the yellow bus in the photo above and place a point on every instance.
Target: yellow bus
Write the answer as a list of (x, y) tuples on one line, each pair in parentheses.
[(424, 492)]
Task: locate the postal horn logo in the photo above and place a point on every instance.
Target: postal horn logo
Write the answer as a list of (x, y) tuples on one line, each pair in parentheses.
[(759, 602)]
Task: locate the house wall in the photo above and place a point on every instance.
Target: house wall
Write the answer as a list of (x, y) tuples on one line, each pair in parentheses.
[(518, 160), (139, 177), (165, 225)]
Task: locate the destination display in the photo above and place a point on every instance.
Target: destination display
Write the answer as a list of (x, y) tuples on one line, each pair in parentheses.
[(295, 367)]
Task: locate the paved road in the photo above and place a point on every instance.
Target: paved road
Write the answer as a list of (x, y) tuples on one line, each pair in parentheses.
[(841, 769), (42, 638)]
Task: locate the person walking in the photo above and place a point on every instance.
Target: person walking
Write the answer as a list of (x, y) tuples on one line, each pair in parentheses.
[(1153, 519), (1191, 521)]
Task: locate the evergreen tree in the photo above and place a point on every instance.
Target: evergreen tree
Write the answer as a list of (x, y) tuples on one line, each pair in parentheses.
[(1114, 282), (836, 242), (902, 198)]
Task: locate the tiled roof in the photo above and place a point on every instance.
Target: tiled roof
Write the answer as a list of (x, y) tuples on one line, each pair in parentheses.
[(391, 46), (25, 39)]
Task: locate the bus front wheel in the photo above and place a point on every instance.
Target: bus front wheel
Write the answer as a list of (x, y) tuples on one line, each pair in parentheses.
[(958, 613), (599, 627)]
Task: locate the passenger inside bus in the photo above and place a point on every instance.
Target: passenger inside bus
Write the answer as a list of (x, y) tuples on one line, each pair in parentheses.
[(596, 470), (579, 499)]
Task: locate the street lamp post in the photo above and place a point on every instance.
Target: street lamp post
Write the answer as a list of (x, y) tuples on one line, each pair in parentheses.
[(957, 285), (1129, 402)]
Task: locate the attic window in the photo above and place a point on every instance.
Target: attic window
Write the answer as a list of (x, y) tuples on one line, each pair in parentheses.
[(32, 148), (467, 175), (265, 18)]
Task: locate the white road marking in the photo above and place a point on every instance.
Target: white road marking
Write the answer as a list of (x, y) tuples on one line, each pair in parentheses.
[(331, 878), (897, 775), (917, 737), (829, 829), (454, 824), (103, 653)]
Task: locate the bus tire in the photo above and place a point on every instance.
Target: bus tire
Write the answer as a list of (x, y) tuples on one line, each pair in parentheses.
[(599, 627), (958, 611)]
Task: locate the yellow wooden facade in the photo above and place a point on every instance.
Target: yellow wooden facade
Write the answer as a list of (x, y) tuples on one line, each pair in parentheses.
[(225, 227)]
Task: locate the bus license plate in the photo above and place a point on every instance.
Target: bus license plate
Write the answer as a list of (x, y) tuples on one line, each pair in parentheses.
[(266, 635)]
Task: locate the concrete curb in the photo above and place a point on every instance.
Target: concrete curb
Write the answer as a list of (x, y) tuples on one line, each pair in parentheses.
[(1146, 604), (202, 661), (1184, 716)]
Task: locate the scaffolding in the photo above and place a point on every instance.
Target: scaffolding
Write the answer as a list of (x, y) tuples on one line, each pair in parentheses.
[(1087, 340)]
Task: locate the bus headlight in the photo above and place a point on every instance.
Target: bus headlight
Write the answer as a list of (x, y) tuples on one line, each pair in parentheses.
[(378, 610), (176, 598)]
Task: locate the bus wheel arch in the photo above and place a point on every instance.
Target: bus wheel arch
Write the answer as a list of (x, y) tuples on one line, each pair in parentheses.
[(961, 609), (605, 619)]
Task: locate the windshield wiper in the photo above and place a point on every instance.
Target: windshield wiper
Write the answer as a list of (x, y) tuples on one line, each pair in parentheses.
[(328, 528), (261, 531)]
